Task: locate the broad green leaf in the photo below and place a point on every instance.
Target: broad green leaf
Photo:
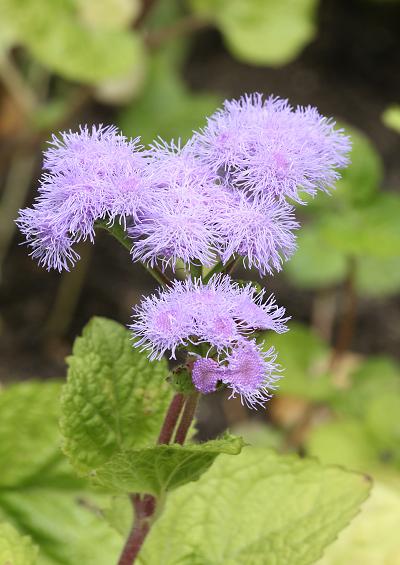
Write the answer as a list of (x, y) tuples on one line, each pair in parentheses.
[(166, 107), (66, 525), (29, 438), (108, 14), (303, 357), (58, 37), (344, 442), (84, 55), (14, 548), (262, 32), (382, 421), (162, 468), (378, 277), (115, 398), (372, 537), (391, 117), (373, 377), (258, 508), (316, 264), (40, 494), (373, 230)]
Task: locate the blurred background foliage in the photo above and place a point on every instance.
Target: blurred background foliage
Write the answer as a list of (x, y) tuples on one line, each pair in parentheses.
[(158, 67)]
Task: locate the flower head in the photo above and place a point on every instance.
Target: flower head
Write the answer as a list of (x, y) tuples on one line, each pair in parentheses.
[(92, 174), (176, 223), (258, 229), (251, 372), (219, 313), (267, 147)]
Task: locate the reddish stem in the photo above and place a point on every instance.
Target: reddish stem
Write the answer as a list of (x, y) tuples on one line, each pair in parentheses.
[(145, 505), (186, 418), (144, 509), (171, 418)]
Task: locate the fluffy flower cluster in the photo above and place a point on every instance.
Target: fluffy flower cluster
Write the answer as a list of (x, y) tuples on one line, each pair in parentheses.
[(92, 174), (224, 194), (223, 315), (266, 147)]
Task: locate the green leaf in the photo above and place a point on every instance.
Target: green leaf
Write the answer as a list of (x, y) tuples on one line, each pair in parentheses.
[(316, 264), (291, 509), (162, 468), (383, 424), (29, 438), (262, 32), (14, 548), (391, 117), (303, 357), (350, 232), (56, 34), (372, 537), (378, 277), (344, 442), (40, 494), (108, 14), (166, 107), (66, 525), (369, 380), (115, 398), (359, 181)]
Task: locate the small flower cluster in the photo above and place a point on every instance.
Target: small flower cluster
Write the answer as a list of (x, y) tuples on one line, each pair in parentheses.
[(91, 175), (223, 315), (224, 194)]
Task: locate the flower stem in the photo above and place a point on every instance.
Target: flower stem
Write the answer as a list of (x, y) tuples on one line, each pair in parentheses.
[(144, 507), (186, 418), (117, 231), (171, 418)]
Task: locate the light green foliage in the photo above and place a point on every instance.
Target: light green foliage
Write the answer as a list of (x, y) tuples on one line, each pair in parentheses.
[(316, 264), (372, 537), (14, 548), (258, 508), (303, 356), (108, 14), (344, 442), (366, 432), (23, 437), (373, 377), (74, 39), (391, 117), (373, 230), (355, 222), (40, 494), (262, 32), (114, 399), (166, 107), (158, 469)]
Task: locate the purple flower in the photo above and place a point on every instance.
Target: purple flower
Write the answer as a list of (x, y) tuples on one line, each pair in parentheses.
[(176, 223), (258, 229), (251, 373), (247, 370), (267, 147), (219, 313), (205, 374), (92, 174)]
